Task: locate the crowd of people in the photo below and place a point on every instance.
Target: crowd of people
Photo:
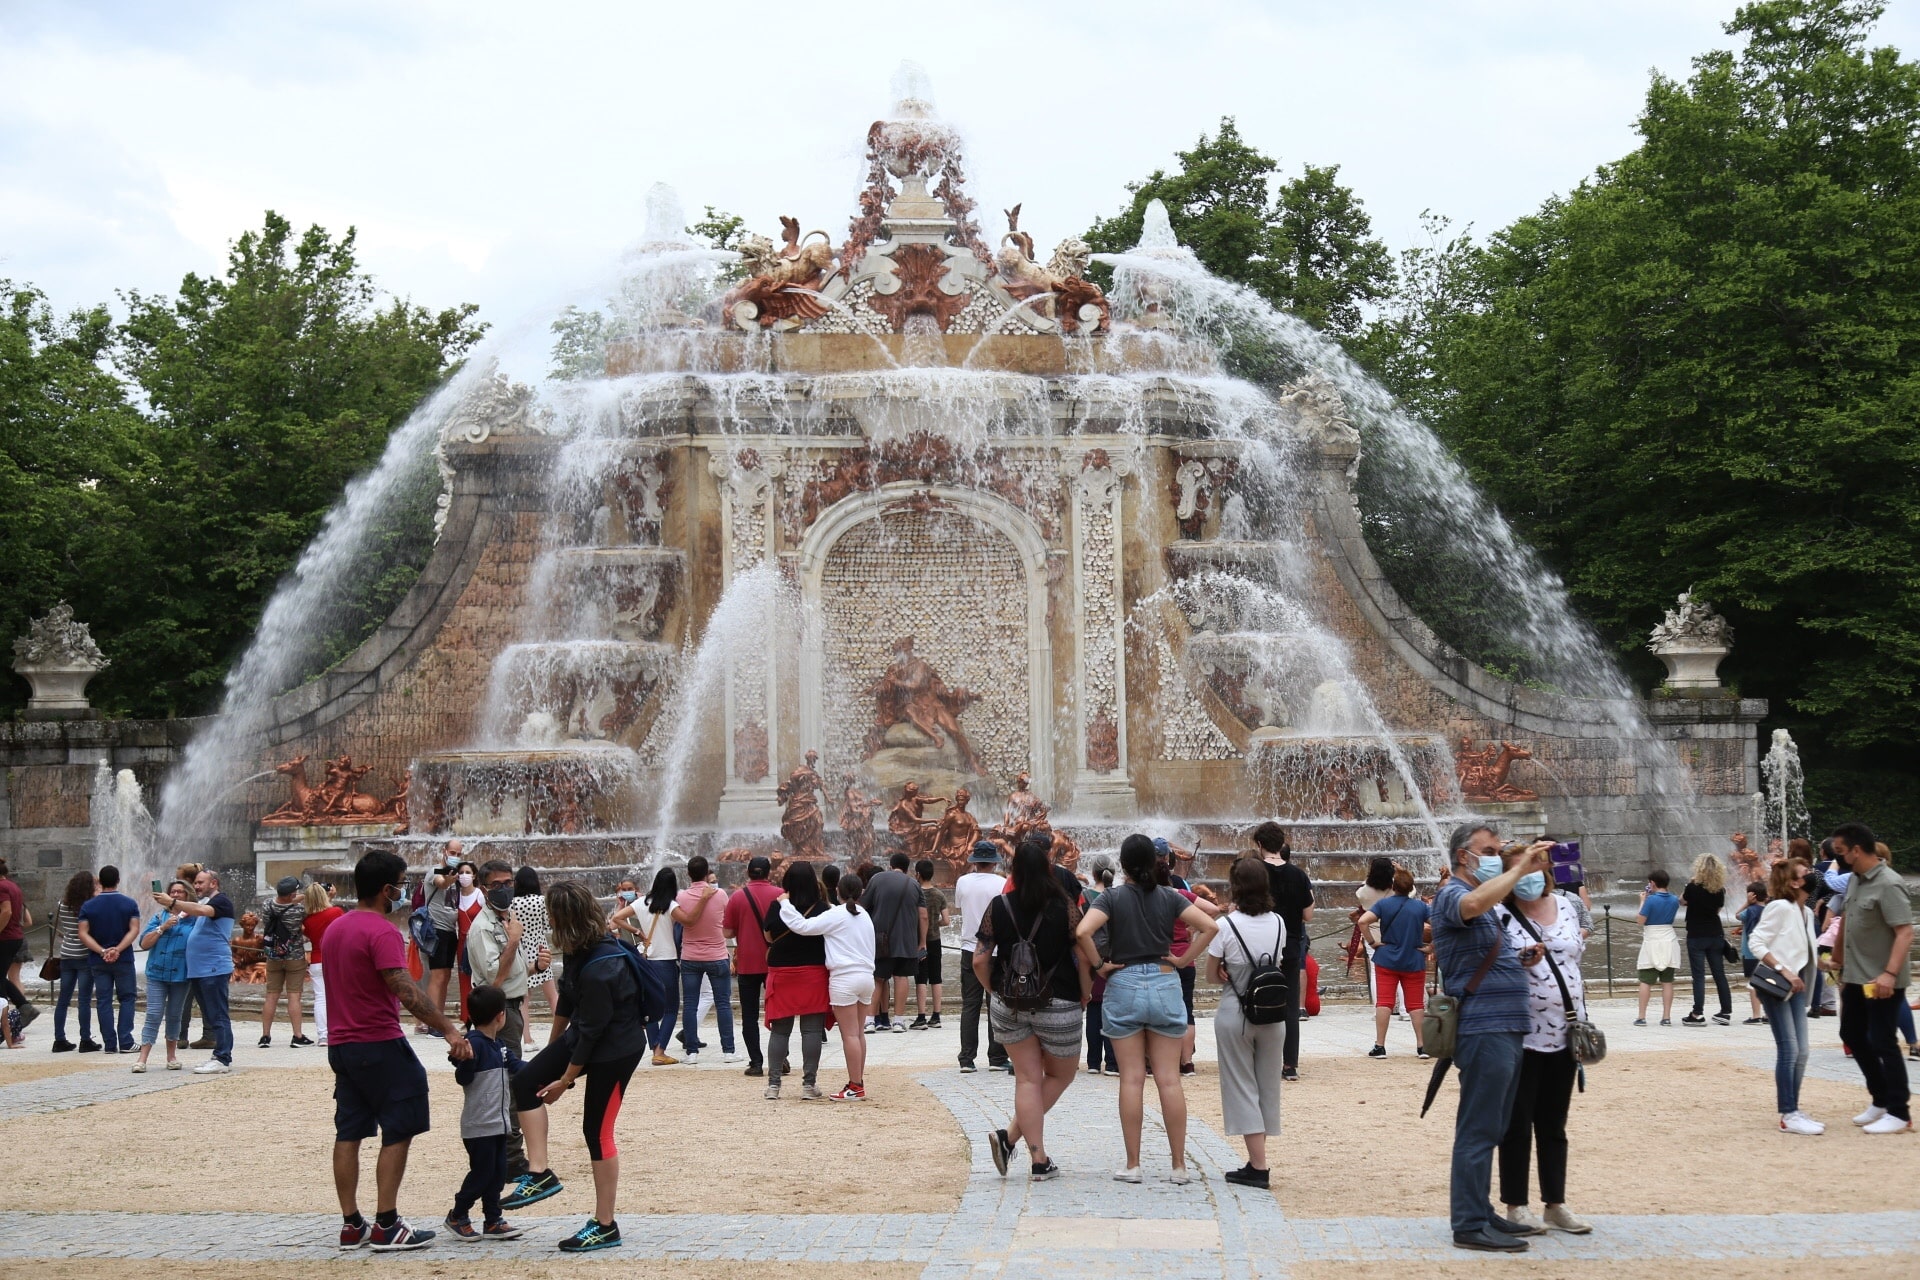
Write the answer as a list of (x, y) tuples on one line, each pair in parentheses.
[(1062, 968)]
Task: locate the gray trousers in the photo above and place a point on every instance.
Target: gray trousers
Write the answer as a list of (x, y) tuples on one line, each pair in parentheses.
[(1489, 1067), (1249, 1070)]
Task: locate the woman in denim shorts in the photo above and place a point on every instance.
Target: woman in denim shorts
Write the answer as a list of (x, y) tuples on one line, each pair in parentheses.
[(1142, 1012)]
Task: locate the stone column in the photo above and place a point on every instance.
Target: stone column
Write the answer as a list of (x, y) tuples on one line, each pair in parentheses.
[(747, 530), (1101, 788)]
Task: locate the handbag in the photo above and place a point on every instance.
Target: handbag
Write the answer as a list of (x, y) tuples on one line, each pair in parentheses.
[(1587, 1042), (1440, 1027), (50, 967), (1769, 981)]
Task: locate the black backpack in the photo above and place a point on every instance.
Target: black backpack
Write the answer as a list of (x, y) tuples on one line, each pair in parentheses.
[(1264, 1000), (1020, 983), (279, 931)]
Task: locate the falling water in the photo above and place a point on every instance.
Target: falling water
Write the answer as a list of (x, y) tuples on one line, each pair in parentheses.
[(1782, 805)]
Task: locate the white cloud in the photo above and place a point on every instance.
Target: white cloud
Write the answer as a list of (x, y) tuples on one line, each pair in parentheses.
[(500, 154)]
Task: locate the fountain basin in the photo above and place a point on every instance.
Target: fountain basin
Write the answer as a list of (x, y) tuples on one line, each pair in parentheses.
[(564, 790), (1347, 777), (589, 689), (621, 593)]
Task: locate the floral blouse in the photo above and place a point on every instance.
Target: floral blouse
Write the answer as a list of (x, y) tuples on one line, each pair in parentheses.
[(1546, 1011)]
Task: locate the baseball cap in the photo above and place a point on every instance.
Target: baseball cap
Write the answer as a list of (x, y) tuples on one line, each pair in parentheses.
[(985, 851), (1162, 847), (759, 865), (287, 885)]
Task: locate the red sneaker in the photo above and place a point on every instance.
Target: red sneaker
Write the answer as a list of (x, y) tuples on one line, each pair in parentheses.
[(352, 1237), (852, 1093)]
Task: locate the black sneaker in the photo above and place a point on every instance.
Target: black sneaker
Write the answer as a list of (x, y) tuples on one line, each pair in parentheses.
[(1378, 1051), (399, 1236), (64, 1046), (462, 1230), (1046, 1171), (301, 1042), (1001, 1149), (934, 1021), (755, 1069), (89, 1046), (1187, 1068), (1722, 1019), (265, 1042), (918, 1024), (966, 1068), (1248, 1176), (591, 1237), (1693, 1020), (531, 1188), (1291, 1074)]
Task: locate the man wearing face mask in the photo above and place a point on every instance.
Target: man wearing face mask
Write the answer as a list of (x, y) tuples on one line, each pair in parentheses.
[(494, 955), (441, 896), (1483, 972), (379, 1084)]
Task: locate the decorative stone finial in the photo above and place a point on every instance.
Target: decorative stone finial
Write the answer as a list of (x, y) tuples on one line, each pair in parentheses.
[(58, 657), (1692, 641), (1317, 406)]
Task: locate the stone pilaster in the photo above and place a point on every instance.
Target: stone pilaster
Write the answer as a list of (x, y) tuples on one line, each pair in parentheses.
[(1101, 786), (747, 527)]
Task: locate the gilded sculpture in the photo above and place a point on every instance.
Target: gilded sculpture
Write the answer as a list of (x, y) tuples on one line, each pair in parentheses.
[(1064, 276), (856, 821), (954, 839), (906, 823), (802, 824), (784, 283), (911, 692), (336, 802), (1483, 773)]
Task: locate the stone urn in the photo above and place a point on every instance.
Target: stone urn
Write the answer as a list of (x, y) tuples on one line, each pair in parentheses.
[(1692, 641), (58, 657)]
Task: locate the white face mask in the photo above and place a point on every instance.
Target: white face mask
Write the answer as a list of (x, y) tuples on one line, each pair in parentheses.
[(466, 879)]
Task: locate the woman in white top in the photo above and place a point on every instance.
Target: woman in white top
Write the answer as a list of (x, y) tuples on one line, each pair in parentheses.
[(650, 922), (1546, 933), (1250, 1054), (530, 909), (1783, 940), (850, 947)]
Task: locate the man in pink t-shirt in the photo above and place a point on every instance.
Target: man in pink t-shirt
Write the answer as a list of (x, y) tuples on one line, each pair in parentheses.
[(745, 924), (700, 911), (378, 1082)]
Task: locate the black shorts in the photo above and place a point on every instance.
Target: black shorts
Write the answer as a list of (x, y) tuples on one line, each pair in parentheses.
[(446, 946), (1187, 976), (927, 972), (378, 1086), (895, 967)]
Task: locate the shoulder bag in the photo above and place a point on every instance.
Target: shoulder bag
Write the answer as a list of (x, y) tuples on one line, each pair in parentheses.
[(1588, 1042), (50, 967), (1440, 1027)]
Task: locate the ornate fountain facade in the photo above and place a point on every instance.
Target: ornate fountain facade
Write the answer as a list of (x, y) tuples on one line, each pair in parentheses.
[(944, 515)]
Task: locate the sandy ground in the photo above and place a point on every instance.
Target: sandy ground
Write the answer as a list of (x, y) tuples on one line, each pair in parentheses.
[(688, 1130), (1686, 1131), (456, 1261), (1525, 1268), (20, 1068)]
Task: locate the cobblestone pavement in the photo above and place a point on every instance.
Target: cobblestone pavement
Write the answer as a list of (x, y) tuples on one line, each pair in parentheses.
[(1081, 1224)]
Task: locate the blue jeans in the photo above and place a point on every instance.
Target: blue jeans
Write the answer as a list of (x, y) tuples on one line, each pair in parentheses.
[(74, 973), (660, 1029), (1787, 1019), (715, 971), (166, 1000), (213, 1005), (1489, 1067), (110, 980), (1704, 954)]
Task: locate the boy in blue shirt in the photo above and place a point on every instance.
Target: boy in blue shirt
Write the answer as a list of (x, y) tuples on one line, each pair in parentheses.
[(1659, 947), (485, 1118), (1749, 917)]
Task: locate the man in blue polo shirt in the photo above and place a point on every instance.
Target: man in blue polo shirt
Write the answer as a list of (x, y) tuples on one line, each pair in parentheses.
[(109, 923), (210, 965), (1493, 1022)]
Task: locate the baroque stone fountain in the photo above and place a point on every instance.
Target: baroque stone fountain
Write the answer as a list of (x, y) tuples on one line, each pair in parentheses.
[(908, 527)]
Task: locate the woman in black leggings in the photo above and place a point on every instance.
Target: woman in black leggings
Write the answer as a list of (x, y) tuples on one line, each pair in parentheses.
[(598, 1033)]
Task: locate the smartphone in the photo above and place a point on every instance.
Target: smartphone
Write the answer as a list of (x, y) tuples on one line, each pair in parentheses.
[(158, 887), (1564, 857)]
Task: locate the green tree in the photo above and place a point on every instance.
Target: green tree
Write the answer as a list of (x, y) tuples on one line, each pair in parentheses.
[(1306, 244), (269, 389), (76, 472), (1700, 369)]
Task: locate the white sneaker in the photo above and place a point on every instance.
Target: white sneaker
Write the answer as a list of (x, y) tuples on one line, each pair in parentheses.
[(691, 1060), (1889, 1124), (1560, 1219), (1795, 1122), (1127, 1175), (1868, 1116), (1179, 1177), (212, 1067), (1521, 1216), (729, 1057), (899, 1027), (869, 1027)]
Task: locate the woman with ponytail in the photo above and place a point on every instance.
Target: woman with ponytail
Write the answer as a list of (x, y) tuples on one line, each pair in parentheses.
[(848, 932)]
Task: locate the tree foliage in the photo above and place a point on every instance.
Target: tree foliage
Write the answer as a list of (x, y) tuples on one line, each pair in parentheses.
[(1305, 243), (1699, 369), (168, 523)]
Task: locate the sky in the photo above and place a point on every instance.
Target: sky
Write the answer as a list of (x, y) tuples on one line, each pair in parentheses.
[(501, 153)]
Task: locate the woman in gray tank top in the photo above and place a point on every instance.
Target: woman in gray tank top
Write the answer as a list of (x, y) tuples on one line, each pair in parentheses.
[(1142, 1013)]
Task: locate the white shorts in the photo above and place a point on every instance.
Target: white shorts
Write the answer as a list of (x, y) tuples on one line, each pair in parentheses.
[(850, 986)]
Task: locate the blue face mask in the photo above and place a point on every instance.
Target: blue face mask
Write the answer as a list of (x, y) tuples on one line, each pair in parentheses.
[(1489, 866), (1531, 885), (628, 895)]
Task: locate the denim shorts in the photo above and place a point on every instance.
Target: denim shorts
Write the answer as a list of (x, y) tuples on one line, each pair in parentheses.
[(1139, 998)]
